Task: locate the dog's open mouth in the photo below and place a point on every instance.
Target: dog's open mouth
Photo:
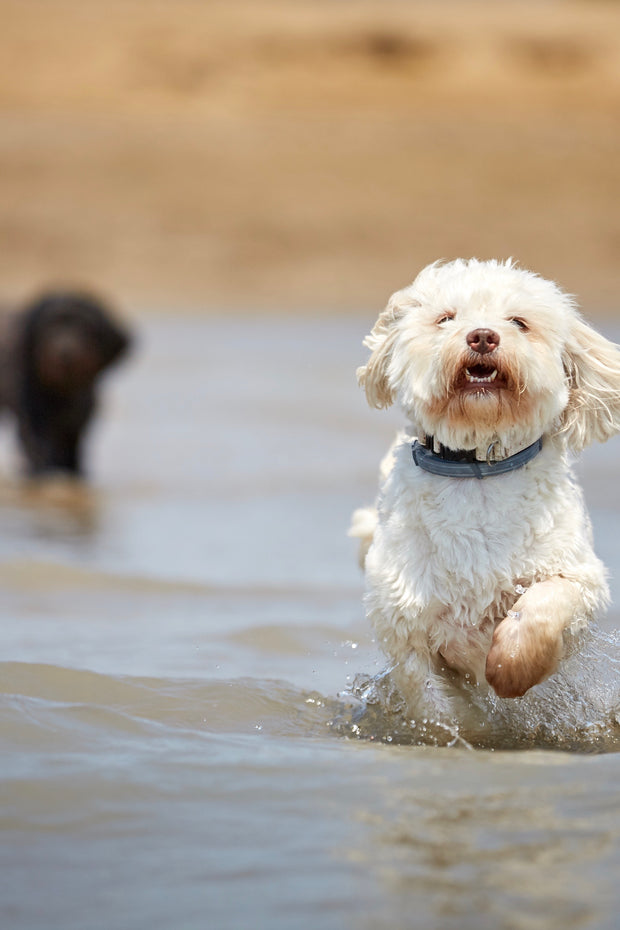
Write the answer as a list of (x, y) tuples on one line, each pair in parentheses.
[(480, 374), (482, 377)]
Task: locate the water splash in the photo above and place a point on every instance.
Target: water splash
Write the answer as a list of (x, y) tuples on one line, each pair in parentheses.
[(577, 709)]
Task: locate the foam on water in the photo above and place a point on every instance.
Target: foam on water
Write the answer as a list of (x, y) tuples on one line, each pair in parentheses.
[(576, 709)]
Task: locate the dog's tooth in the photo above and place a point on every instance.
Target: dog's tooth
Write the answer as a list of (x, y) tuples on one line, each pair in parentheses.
[(476, 380)]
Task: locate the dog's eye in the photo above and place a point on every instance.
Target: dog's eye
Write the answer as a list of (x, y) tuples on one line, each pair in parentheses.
[(446, 318), (522, 325)]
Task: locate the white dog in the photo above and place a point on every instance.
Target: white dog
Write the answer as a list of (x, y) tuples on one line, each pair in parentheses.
[(478, 554)]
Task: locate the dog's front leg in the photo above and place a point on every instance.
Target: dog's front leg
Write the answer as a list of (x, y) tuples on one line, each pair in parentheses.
[(527, 644), (426, 691)]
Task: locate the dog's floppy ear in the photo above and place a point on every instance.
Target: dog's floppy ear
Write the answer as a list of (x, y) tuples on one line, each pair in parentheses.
[(374, 376), (592, 365)]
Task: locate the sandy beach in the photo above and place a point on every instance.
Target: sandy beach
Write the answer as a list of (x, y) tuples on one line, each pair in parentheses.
[(308, 155)]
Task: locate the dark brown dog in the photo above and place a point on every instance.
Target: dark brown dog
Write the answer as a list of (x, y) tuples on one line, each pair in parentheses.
[(52, 354)]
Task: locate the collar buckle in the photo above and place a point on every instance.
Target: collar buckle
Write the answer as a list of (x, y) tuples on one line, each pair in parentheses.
[(490, 458)]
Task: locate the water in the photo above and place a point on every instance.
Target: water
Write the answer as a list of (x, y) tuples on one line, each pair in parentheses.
[(196, 731)]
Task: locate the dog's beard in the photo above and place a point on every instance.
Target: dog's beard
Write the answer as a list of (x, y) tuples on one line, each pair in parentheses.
[(478, 398)]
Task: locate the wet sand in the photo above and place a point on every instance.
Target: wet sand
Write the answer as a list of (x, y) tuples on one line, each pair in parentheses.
[(305, 155)]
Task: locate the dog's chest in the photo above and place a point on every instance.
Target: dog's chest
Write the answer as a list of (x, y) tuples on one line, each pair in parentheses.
[(468, 520), (468, 540)]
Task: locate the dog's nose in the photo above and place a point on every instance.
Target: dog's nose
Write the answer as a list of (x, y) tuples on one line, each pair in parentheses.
[(482, 340)]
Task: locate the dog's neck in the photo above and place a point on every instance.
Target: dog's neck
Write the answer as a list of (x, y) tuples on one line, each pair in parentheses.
[(438, 459)]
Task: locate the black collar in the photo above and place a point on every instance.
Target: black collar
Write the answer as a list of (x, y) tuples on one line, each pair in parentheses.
[(463, 463)]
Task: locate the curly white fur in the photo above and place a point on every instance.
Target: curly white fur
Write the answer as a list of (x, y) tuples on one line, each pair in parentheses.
[(482, 578)]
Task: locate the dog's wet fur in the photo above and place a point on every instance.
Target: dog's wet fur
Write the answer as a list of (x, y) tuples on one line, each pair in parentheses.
[(53, 352)]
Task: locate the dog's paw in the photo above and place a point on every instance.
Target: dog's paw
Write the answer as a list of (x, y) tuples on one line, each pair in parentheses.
[(523, 653)]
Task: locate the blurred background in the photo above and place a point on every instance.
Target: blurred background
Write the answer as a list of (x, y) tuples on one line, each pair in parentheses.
[(248, 181), (305, 154)]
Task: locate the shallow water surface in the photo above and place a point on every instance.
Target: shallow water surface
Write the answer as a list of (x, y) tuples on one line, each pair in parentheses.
[(195, 728)]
